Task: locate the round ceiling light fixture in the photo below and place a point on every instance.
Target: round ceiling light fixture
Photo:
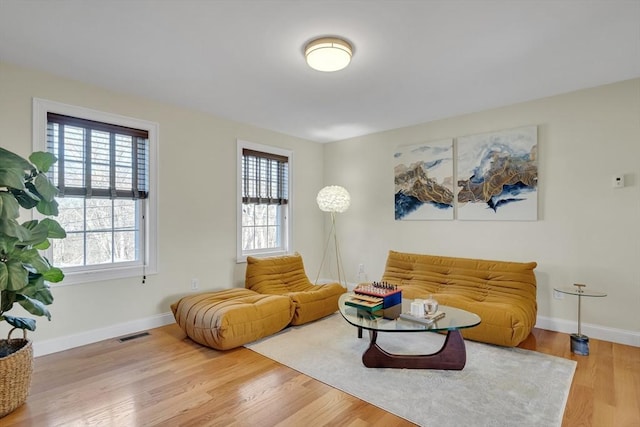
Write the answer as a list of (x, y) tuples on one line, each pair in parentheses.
[(328, 54)]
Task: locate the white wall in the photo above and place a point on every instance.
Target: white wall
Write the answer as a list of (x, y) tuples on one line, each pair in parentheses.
[(197, 212), (587, 232)]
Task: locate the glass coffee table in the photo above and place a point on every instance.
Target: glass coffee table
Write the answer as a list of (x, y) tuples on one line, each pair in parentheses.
[(452, 355)]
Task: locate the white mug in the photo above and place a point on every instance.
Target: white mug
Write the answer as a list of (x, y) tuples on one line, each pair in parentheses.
[(417, 308)]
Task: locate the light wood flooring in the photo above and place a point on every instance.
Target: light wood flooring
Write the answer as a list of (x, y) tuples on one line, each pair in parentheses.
[(165, 379)]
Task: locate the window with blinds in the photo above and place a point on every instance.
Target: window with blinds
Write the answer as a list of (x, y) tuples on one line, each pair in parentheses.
[(264, 187), (102, 176), (265, 178)]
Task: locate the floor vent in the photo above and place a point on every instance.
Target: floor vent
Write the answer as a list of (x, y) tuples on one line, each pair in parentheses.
[(133, 337)]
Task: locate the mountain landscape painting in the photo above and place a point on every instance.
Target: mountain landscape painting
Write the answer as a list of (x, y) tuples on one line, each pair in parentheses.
[(498, 175), (424, 181)]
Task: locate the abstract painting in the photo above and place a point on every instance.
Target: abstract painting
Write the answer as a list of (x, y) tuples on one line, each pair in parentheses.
[(424, 181), (497, 175)]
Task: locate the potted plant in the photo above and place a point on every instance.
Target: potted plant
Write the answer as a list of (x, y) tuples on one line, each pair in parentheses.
[(24, 272)]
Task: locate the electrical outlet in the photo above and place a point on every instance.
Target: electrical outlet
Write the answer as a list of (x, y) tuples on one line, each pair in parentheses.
[(558, 294), (360, 268), (195, 283)]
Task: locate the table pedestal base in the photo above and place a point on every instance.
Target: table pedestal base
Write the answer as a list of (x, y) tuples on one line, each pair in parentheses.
[(452, 355), (580, 344)]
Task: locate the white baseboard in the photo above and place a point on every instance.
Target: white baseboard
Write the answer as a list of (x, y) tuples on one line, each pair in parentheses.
[(54, 345), (620, 336)]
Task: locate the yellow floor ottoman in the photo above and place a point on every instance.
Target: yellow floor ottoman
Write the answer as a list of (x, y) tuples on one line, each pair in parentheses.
[(230, 318)]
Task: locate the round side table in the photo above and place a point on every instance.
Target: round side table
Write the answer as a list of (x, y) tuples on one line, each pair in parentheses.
[(579, 342)]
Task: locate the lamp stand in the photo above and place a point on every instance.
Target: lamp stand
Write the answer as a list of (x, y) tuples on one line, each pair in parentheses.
[(339, 266)]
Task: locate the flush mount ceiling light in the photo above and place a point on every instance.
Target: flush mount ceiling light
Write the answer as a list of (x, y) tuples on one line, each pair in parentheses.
[(328, 54)]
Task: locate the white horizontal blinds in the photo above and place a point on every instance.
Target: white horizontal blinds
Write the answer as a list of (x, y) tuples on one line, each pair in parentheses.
[(265, 178), (98, 159)]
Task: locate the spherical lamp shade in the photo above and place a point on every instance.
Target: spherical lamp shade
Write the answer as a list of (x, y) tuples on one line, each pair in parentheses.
[(328, 54), (333, 199)]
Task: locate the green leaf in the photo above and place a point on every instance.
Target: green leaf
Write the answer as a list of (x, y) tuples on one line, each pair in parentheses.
[(7, 244), (38, 289), (44, 206), (54, 275), (17, 276), (33, 306), (9, 160), (9, 207), (25, 198), (4, 278), (21, 322), (31, 224), (42, 160), (38, 232), (11, 228), (45, 188), (43, 246), (12, 178), (48, 208), (8, 298), (31, 188), (54, 229), (33, 258)]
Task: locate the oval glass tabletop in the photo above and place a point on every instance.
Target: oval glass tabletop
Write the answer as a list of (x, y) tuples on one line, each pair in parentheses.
[(389, 320), (580, 291)]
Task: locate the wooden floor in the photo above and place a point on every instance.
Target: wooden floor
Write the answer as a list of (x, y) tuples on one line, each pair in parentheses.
[(165, 379)]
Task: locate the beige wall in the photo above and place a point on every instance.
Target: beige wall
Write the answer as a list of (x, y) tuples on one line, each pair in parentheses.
[(587, 232), (197, 212)]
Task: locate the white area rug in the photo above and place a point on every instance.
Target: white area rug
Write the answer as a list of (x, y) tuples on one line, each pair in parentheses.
[(497, 387)]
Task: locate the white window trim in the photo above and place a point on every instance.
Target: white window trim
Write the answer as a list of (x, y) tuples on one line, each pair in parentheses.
[(240, 256), (99, 273)]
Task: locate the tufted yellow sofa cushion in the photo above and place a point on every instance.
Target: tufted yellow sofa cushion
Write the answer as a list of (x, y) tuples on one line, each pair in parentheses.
[(502, 293), (285, 275), (230, 318)]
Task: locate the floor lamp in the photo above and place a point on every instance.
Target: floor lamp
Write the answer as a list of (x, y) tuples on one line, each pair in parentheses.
[(333, 199)]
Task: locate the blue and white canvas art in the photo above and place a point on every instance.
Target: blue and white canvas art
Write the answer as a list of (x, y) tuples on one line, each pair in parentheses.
[(498, 175), (423, 177)]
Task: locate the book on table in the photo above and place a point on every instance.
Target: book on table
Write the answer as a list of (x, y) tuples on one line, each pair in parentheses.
[(427, 319), (365, 302)]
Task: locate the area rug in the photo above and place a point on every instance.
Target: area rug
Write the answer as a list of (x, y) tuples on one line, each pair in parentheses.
[(498, 386)]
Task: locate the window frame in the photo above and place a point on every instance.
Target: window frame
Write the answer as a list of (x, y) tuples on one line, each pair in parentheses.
[(149, 252), (241, 255)]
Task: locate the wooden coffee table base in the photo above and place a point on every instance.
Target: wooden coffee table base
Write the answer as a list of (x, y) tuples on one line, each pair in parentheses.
[(452, 355)]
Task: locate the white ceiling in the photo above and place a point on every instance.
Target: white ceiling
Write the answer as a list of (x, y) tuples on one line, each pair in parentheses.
[(414, 61)]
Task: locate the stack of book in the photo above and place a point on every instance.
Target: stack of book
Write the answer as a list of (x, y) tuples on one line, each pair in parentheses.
[(364, 302)]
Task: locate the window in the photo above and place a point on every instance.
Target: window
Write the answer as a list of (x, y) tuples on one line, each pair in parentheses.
[(105, 173), (263, 200)]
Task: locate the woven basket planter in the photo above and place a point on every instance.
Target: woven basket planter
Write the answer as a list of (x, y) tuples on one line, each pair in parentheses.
[(16, 367)]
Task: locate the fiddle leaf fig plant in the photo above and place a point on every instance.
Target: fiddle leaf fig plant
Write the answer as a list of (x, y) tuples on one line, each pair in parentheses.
[(24, 272)]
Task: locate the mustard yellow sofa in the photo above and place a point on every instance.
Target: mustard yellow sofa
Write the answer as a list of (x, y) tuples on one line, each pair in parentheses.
[(502, 293), (285, 275), (230, 318)]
